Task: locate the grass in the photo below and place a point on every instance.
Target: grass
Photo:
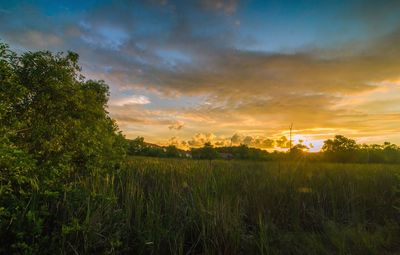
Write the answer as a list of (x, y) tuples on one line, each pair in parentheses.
[(176, 206)]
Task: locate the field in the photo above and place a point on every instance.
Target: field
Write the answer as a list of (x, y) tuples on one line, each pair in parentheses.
[(176, 206)]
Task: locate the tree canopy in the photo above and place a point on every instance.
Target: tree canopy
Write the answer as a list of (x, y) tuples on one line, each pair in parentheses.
[(54, 131)]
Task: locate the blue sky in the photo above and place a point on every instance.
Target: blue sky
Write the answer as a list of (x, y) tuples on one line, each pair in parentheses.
[(185, 72)]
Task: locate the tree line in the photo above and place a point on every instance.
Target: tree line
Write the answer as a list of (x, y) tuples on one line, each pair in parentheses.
[(339, 149)]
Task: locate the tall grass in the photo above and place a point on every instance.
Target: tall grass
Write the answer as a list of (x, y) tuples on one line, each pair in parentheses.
[(172, 206)]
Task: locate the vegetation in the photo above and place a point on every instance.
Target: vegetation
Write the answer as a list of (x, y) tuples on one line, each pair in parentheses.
[(66, 186), (239, 207), (55, 132), (340, 149), (206, 152)]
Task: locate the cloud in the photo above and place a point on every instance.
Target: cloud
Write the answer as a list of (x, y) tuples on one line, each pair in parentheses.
[(42, 40), (265, 143), (226, 6), (192, 49), (178, 125), (136, 114), (283, 142), (247, 140), (177, 142), (259, 90), (236, 139), (261, 142), (130, 100), (200, 139)]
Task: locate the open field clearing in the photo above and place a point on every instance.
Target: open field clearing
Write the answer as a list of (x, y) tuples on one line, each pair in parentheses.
[(237, 207)]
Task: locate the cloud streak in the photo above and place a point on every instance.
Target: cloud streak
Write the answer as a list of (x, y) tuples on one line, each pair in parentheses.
[(131, 100)]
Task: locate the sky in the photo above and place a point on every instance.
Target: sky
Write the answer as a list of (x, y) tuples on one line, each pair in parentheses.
[(228, 71)]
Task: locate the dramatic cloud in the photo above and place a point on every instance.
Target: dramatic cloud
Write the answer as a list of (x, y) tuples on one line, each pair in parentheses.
[(200, 139), (224, 67)]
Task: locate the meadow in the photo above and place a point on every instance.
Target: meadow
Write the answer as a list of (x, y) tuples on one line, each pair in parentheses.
[(177, 206)]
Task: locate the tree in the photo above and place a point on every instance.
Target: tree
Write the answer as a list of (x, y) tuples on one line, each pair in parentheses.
[(299, 149), (64, 117), (339, 143), (136, 146), (243, 152), (172, 152), (341, 149), (206, 152), (54, 131), (391, 152)]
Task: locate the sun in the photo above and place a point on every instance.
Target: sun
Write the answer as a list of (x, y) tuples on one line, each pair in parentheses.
[(314, 145)]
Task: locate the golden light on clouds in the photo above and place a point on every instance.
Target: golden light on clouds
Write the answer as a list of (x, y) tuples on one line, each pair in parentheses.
[(231, 72)]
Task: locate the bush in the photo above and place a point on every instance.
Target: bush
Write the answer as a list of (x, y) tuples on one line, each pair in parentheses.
[(55, 133)]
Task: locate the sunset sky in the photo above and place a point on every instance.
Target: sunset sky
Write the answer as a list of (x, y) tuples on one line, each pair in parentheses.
[(187, 72)]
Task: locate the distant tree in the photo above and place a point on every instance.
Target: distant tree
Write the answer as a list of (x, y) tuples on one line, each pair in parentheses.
[(243, 152), (391, 152), (153, 151), (341, 149), (136, 146), (299, 149), (206, 152), (339, 143), (172, 152)]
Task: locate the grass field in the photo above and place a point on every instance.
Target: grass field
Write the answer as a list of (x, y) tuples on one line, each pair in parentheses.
[(167, 206)]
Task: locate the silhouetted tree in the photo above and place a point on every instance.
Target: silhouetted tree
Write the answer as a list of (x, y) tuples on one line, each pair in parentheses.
[(206, 152), (299, 149), (172, 152), (340, 149)]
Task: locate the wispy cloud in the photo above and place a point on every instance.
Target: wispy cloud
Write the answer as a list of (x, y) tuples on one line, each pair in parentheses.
[(177, 126), (130, 100)]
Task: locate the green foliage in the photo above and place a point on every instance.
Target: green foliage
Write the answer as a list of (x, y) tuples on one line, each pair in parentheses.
[(339, 144), (243, 152), (54, 133), (172, 152), (177, 206), (136, 146), (340, 149), (139, 147), (345, 150), (206, 152)]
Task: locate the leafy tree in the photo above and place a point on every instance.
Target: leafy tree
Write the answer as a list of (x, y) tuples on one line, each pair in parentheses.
[(299, 149), (341, 149), (54, 131), (243, 152), (340, 143), (136, 146), (206, 152), (172, 152), (391, 152)]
